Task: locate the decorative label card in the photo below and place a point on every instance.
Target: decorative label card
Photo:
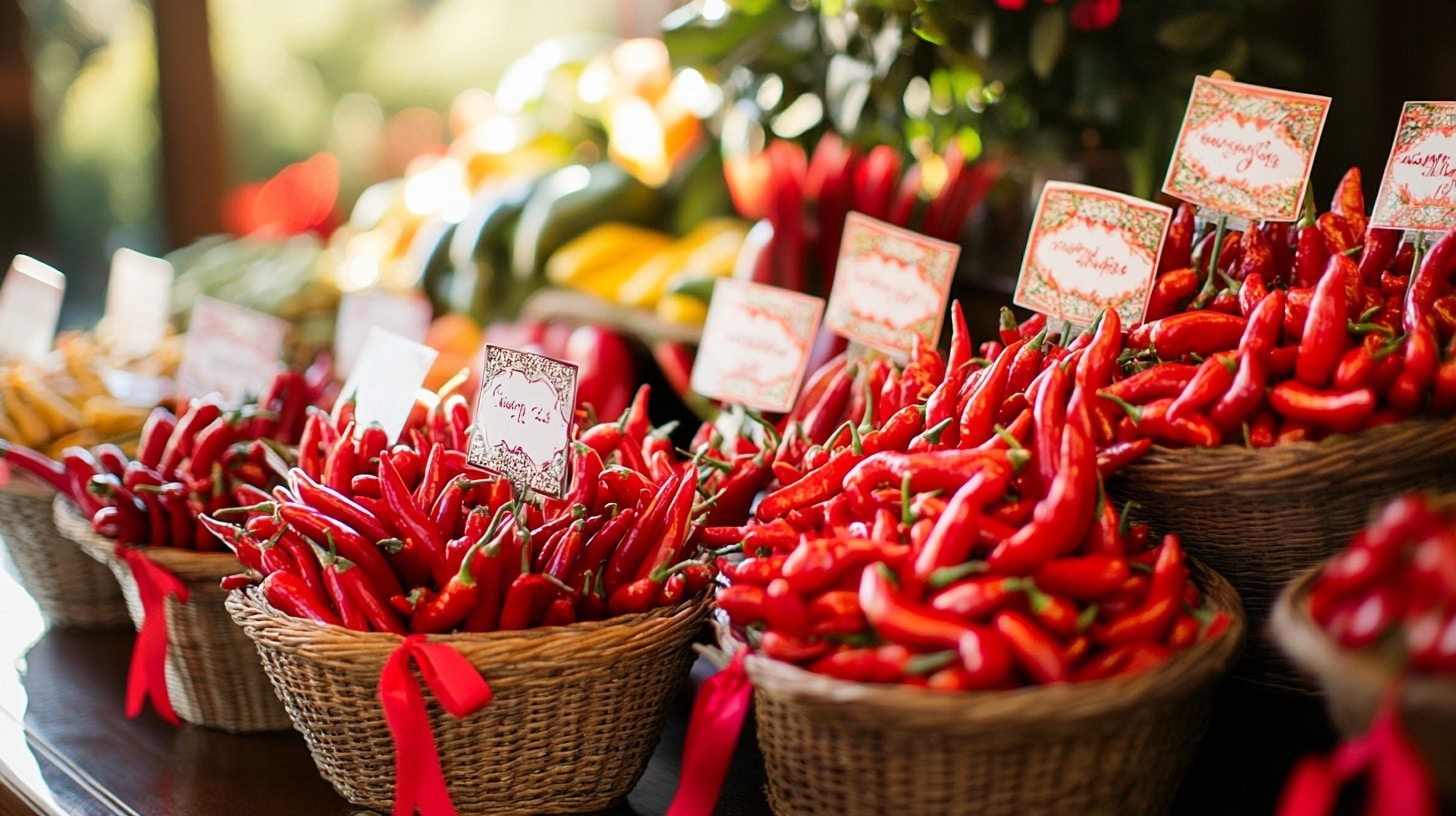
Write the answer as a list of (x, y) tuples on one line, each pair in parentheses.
[(138, 301), (383, 385), (1091, 249), (523, 419), (1246, 151), (30, 306), (890, 284), (755, 345), (229, 350), (406, 315), (1418, 188)]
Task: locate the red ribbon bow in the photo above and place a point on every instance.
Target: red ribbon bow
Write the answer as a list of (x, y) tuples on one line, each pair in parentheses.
[(717, 719), (1399, 783), (148, 674), (418, 777)]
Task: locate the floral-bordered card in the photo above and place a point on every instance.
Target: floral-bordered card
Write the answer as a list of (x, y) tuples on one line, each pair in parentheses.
[(523, 419), (1245, 150), (890, 284), (1418, 188), (1091, 249), (756, 344)]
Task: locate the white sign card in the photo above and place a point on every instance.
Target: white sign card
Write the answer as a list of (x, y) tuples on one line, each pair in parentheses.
[(383, 385), (406, 315), (30, 307), (138, 297)]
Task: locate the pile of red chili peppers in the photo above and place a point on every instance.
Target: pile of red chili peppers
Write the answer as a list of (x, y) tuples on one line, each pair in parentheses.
[(1396, 582), (942, 524), (1282, 334), (209, 458), (411, 538)]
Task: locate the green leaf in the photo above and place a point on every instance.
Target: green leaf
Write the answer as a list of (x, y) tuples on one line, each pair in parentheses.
[(1193, 32), (1048, 36)]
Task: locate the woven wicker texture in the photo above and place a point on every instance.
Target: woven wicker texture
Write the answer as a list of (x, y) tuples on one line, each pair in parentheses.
[(214, 677), (1117, 747), (1354, 683), (576, 715), (70, 589), (1261, 517)]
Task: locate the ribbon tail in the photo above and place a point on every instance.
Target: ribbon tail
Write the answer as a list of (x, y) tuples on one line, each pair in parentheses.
[(419, 777), (1311, 790), (147, 676), (1400, 781), (717, 720)]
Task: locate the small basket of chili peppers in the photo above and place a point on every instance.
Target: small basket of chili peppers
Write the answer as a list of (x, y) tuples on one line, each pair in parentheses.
[(1288, 379), (1381, 614), (550, 633), (71, 589), (941, 609), (141, 518)]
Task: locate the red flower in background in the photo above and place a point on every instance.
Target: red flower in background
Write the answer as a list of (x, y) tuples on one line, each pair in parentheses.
[(1095, 15), (1087, 15), (299, 199)]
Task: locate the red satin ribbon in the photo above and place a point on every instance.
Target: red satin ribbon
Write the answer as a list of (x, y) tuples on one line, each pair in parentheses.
[(717, 719), (148, 674), (418, 777), (1399, 781)]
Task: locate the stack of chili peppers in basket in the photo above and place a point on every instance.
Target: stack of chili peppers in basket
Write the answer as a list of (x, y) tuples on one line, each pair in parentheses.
[(183, 466), (410, 538), (1275, 335), (943, 524), (1395, 582)]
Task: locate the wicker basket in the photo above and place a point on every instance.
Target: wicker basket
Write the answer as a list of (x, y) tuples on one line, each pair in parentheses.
[(70, 589), (1117, 747), (1355, 682), (576, 715), (214, 678), (1261, 517)]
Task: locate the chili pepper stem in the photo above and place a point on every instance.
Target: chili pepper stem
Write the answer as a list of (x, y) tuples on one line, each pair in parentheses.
[(1210, 287)]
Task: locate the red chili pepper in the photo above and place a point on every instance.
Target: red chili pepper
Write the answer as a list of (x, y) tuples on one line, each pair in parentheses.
[(1150, 620), (1165, 379), (1193, 429), (1310, 256), (784, 609), (977, 597), (527, 599), (1118, 455), (1252, 293), (643, 537), (1086, 578), (1420, 361), (673, 535), (1381, 245), (1337, 232), (1243, 397), (1036, 652), (900, 621), (641, 594), (1055, 613), (199, 414), (1178, 244), (977, 417), (812, 488), (412, 522), (1172, 291), (1256, 257), (287, 593), (951, 540), (154, 436), (835, 612), (1215, 375), (1199, 332), (1324, 338), (869, 664), (1060, 518), (1338, 411), (922, 472), (319, 527)]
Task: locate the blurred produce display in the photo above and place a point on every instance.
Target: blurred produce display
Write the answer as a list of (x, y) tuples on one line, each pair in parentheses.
[(81, 394)]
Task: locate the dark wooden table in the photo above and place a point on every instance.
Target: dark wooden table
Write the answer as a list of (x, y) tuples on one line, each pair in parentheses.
[(66, 746)]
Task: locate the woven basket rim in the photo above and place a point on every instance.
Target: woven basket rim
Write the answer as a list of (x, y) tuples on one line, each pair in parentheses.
[(193, 566), (1255, 464), (1316, 653), (23, 484), (603, 641), (879, 705)]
